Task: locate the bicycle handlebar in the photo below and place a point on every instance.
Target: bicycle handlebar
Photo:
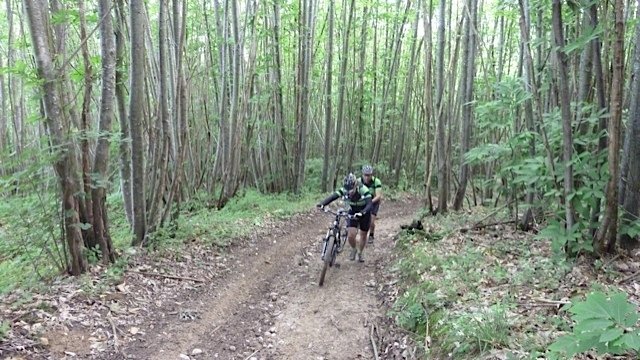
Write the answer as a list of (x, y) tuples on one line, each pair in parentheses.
[(340, 212)]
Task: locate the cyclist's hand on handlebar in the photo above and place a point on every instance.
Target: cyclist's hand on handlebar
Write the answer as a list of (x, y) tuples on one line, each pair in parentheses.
[(357, 215)]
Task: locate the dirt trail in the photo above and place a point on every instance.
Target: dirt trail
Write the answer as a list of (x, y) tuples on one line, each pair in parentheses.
[(269, 305)]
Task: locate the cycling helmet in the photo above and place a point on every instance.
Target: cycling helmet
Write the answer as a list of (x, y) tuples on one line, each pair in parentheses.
[(367, 170), (349, 182)]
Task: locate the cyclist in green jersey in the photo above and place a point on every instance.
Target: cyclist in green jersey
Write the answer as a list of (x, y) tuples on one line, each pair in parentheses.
[(375, 187), (358, 197)]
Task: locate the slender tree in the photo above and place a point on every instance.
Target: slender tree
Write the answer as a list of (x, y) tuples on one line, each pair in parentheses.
[(563, 90), (101, 159), (631, 157), (328, 118), (443, 191), (65, 164), (120, 92), (467, 100), (608, 232), (408, 91), (136, 119)]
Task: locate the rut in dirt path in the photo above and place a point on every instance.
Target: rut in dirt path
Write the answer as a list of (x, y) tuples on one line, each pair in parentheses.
[(269, 306)]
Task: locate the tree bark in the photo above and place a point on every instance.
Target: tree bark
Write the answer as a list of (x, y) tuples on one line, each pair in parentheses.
[(328, 122), (3, 115), (428, 103), (602, 106), (305, 39), (467, 101), (341, 93), (125, 134), (408, 91), (443, 189), (65, 164), (86, 212), (633, 109), (101, 159), (529, 84), (136, 120), (565, 107), (607, 233), (283, 157), (630, 179)]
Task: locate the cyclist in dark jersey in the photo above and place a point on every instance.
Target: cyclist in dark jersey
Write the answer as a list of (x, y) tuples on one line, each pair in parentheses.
[(375, 187), (358, 197)]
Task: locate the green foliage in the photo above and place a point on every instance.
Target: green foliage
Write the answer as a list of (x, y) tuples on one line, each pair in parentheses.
[(411, 310), (604, 322), (425, 308), (476, 332), (518, 172), (30, 244), (630, 228), (4, 329), (563, 240), (461, 296), (240, 216)]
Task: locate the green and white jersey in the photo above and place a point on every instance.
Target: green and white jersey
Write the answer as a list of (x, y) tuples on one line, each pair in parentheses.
[(374, 185), (359, 199)]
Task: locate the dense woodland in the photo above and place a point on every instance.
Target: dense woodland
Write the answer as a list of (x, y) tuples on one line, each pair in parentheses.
[(528, 103)]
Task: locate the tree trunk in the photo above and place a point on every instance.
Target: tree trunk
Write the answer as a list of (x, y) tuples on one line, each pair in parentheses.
[(283, 157), (467, 101), (633, 109), (328, 123), (101, 159), (529, 83), (565, 107), (302, 89), (443, 189), (602, 105), (388, 87), (607, 233), (408, 91), (86, 212), (136, 120), (428, 103), (359, 86), (3, 116), (9, 44), (630, 179), (125, 134), (165, 147), (231, 168), (65, 164), (341, 93)]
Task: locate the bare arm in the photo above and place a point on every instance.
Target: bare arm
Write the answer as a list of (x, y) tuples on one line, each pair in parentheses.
[(378, 196)]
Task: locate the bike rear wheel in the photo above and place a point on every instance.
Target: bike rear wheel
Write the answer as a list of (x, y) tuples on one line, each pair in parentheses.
[(328, 258)]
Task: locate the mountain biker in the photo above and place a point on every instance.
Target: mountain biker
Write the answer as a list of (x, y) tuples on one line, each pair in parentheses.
[(375, 187), (358, 197)]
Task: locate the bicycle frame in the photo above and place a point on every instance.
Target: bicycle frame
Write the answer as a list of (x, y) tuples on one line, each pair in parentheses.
[(333, 242), (336, 226)]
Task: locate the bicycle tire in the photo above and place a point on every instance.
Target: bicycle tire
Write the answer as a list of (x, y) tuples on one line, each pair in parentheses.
[(328, 258), (335, 250)]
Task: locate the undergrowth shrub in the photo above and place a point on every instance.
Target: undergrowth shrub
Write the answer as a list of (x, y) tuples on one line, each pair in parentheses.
[(606, 323)]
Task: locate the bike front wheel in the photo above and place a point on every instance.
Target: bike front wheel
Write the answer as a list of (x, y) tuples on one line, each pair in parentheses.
[(328, 257)]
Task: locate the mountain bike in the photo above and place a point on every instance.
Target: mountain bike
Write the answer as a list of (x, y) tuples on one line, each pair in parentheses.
[(333, 242)]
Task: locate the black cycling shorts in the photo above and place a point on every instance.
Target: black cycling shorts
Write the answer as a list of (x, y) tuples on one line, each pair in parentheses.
[(362, 223)]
